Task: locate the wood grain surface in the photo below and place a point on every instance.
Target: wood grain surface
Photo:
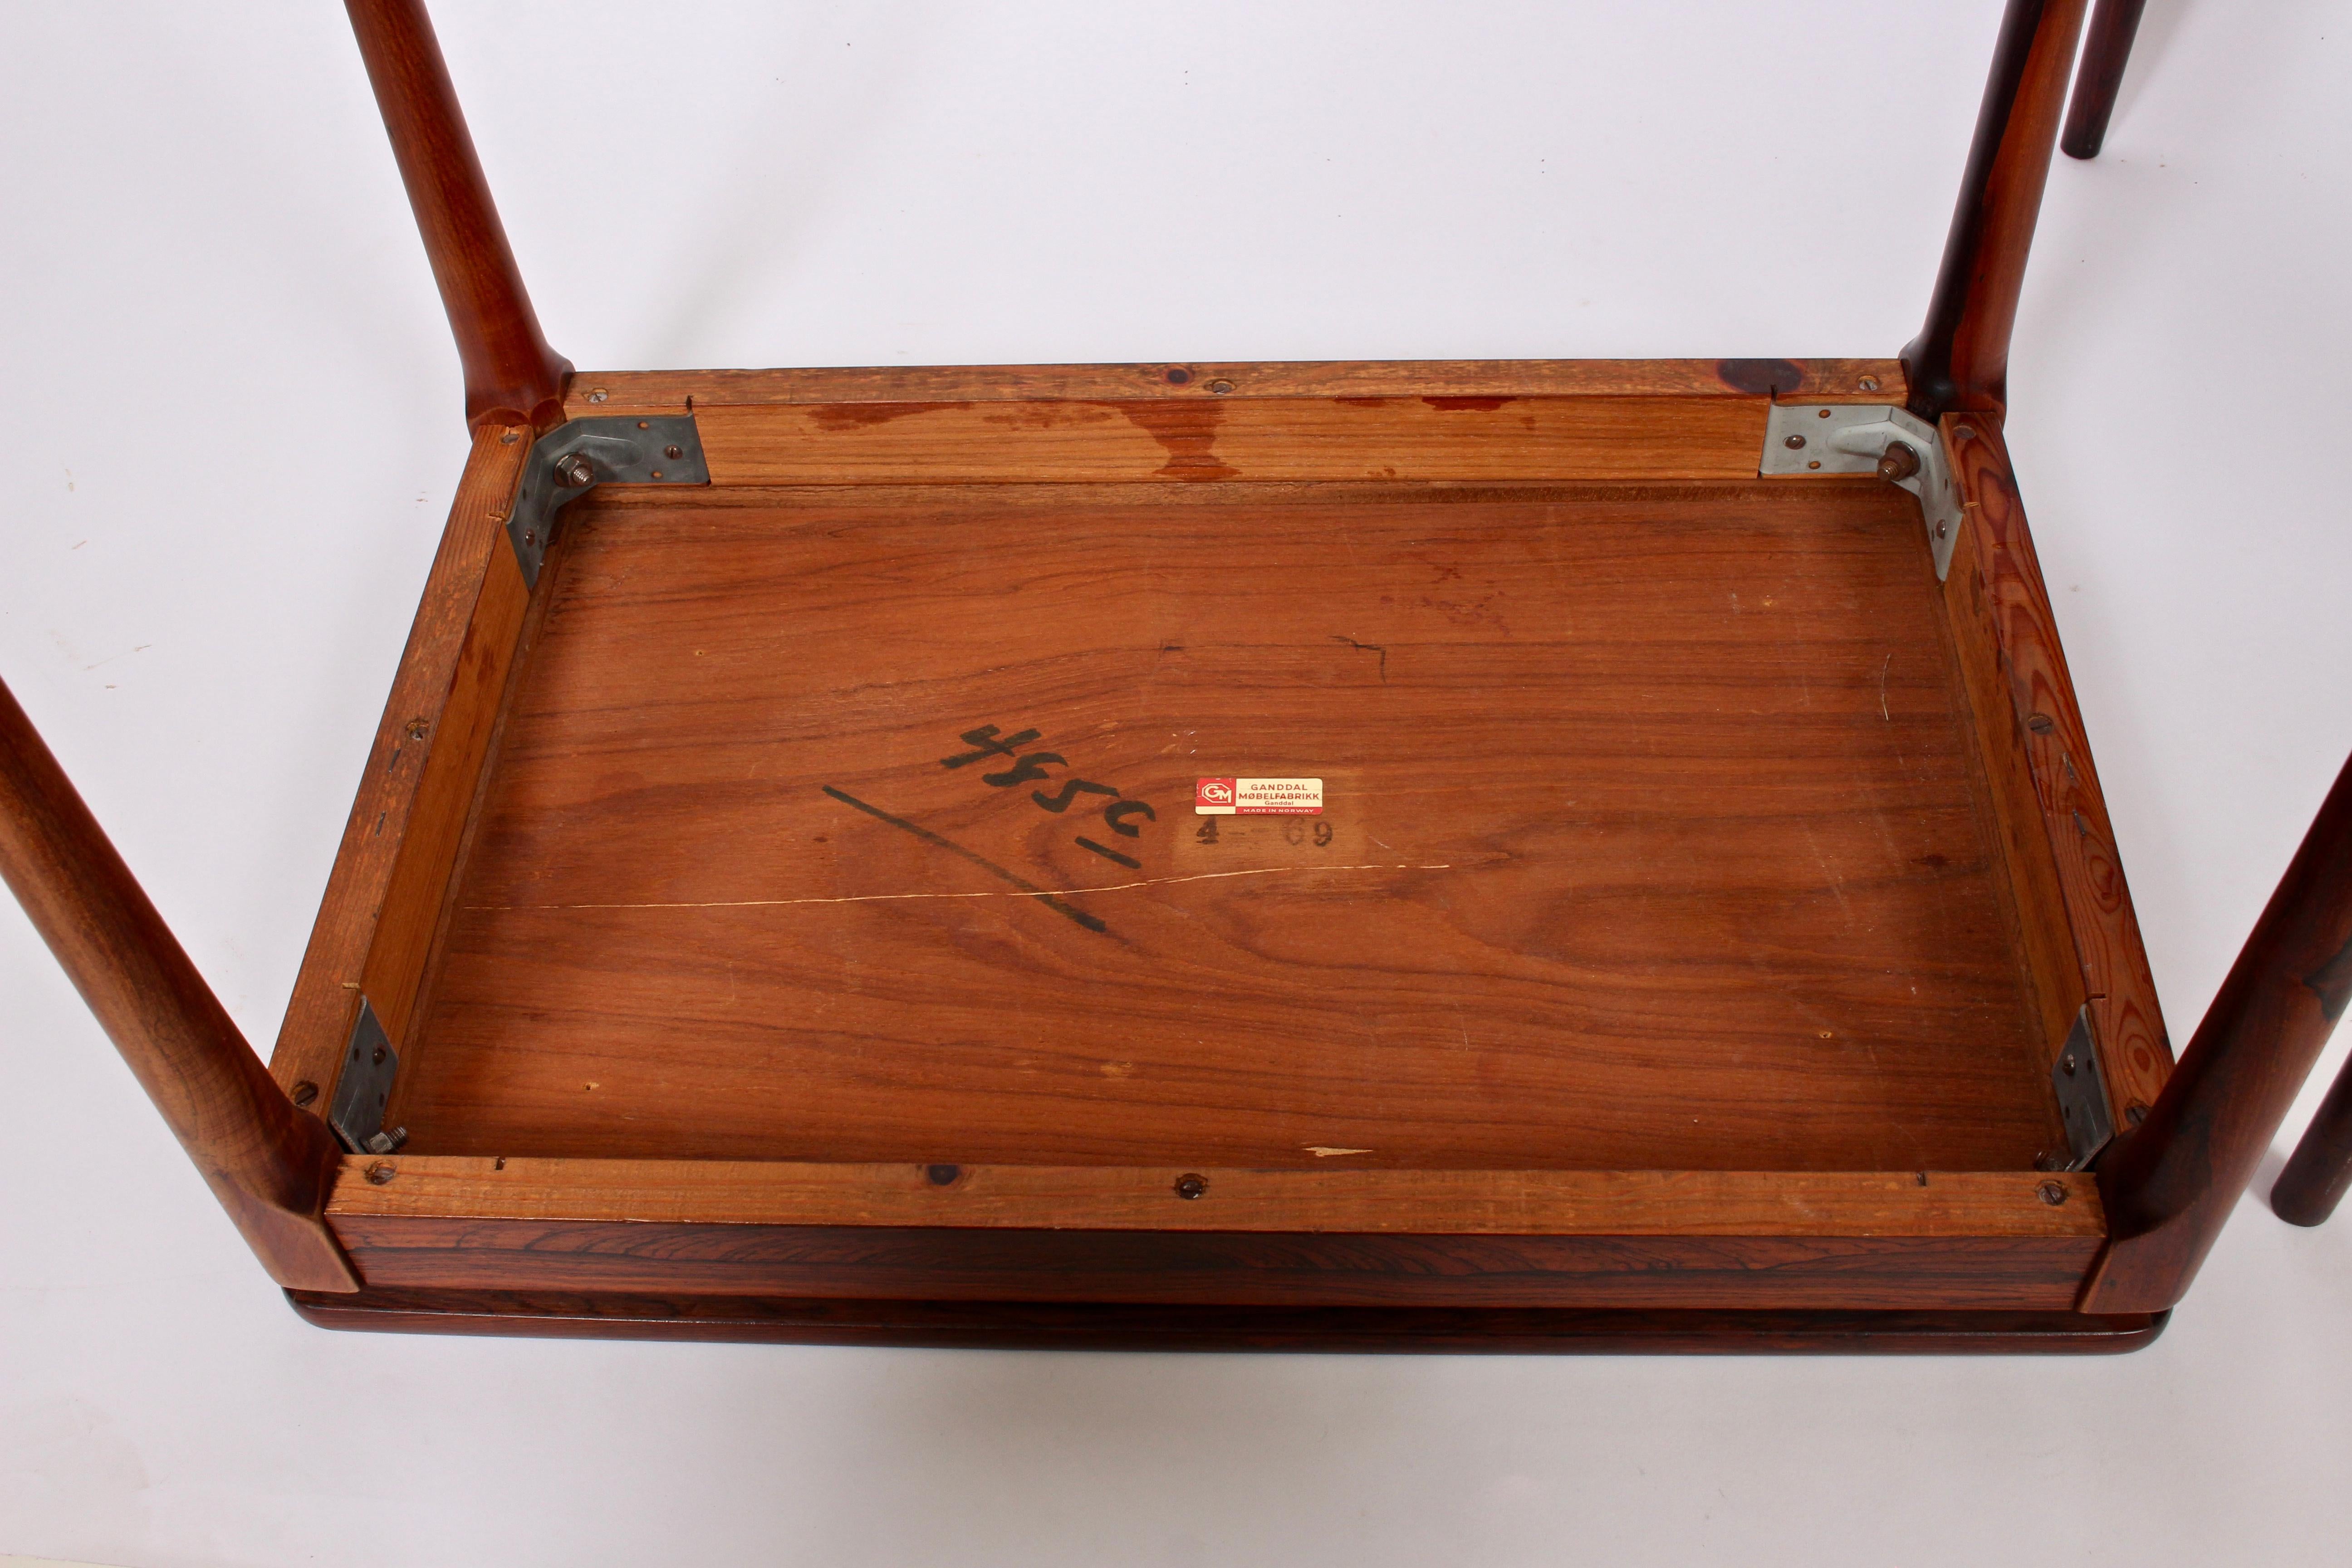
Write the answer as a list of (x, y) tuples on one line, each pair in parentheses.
[(1042, 1325), (1653, 838), (1128, 1197), (1995, 552), (2171, 1185), (1960, 358), (385, 894), (1647, 439), (2028, 1273), (676, 391), (269, 1163)]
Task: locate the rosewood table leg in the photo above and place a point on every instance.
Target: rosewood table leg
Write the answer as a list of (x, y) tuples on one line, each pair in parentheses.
[(2101, 75), (2317, 1177)]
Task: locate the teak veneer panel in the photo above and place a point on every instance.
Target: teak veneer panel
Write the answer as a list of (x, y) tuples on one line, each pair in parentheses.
[(384, 893), (1123, 1197), (1653, 842), (678, 391), (1996, 565)]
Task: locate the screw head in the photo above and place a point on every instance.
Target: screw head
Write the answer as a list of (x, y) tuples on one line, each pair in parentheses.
[(596, 394), (2041, 723), (305, 1093), (673, 453), (1795, 443), (573, 471), (1964, 432), (2137, 1112), (1220, 387), (417, 728), (1868, 383), (379, 1173), (377, 1058), (1191, 1185), (2067, 1062), (2053, 1193), (508, 437)]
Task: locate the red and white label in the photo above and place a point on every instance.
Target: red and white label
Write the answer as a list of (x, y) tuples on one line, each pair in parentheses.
[(1258, 798)]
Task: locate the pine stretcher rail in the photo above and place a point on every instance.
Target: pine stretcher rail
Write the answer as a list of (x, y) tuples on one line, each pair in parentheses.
[(1566, 855)]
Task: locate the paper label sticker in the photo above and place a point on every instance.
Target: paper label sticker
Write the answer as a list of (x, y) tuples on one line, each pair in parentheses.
[(1258, 798)]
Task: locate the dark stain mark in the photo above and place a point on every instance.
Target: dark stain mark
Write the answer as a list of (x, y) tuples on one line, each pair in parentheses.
[(1933, 862), (990, 867), (1760, 377), (1179, 375), (941, 1175), (1107, 853), (1467, 405), (2332, 982), (1369, 647), (1187, 432), (1362, 402), (859, 416)]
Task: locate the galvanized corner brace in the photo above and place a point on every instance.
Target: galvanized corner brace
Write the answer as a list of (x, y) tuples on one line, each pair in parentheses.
[(1823, 439), (576, 457), (363, 1087)]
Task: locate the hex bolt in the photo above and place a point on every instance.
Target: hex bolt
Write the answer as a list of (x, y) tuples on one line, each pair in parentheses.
[(573, 471), (305, 1093), (2053, 1193), (379, 1173), (1795, 443), (1191, 1185), (1898, 462), (386, 1142)]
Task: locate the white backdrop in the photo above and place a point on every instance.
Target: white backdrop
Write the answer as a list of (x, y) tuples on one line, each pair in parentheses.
[(232, 427)]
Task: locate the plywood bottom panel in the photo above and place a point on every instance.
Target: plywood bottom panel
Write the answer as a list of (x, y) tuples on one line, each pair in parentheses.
[(1652, 838)]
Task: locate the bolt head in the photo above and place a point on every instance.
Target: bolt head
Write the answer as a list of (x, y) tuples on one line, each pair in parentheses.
[(1191, 1185)]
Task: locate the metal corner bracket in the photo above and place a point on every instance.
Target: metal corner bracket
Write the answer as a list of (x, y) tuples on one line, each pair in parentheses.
[(1804, 439), (363, 1087), (577, 456), (2082, 1092)]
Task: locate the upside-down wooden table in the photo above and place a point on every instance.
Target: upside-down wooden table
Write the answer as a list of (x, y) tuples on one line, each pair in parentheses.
[(1550, 855)]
